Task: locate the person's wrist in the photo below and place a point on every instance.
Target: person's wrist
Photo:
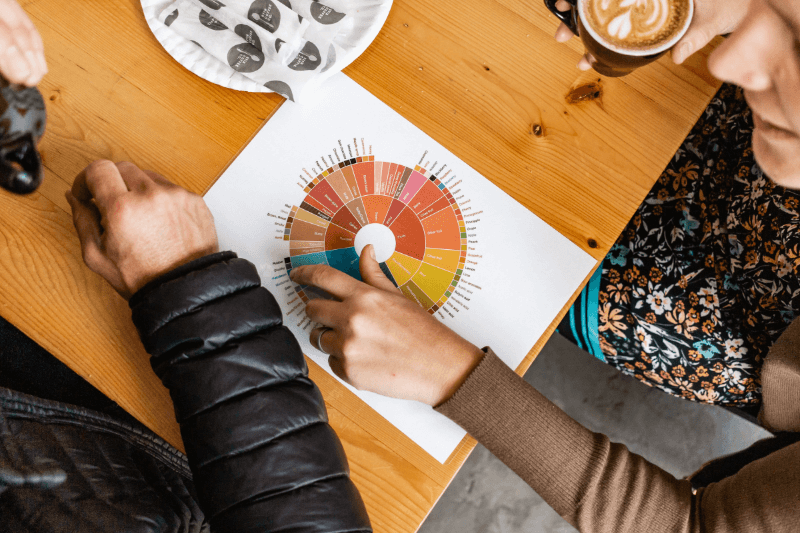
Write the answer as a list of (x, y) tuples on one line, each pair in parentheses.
[(468, 359), (141, 277)]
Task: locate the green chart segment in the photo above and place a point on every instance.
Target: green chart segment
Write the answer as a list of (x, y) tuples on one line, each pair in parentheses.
[(428, 227)]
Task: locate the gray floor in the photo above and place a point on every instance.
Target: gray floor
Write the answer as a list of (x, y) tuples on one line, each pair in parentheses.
[(679, 436)]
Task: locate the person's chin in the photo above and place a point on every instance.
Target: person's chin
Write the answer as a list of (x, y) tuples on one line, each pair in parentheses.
[(778, 154)]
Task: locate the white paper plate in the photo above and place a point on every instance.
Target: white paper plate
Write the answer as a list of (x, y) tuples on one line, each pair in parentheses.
[(369, 17)]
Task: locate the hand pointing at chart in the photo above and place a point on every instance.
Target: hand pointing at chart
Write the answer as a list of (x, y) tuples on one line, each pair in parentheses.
[(382, 342)]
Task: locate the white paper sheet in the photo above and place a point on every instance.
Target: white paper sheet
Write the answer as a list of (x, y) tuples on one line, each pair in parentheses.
[(517, 273)]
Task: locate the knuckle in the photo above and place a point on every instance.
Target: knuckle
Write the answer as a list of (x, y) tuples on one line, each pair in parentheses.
[(126, 166), (348, 347), (99, 168), (371, 298), (359, 323)]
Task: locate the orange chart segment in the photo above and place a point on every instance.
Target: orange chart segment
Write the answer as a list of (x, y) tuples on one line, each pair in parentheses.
[(377, 172), (376, 207), (409, 234), (365, 177), (395, 178), (356, 207), (402, 267), (442, 230), (350, 178), (387, 176), (337, 181), (304, 231)]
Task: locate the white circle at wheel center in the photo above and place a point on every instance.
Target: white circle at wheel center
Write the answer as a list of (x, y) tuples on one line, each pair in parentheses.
[(378, 236)]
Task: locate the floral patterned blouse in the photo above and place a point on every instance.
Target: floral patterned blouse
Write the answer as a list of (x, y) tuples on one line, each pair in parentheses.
[(704, 278)]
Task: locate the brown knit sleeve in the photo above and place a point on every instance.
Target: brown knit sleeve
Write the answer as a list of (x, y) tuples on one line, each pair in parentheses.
[(599, 486)]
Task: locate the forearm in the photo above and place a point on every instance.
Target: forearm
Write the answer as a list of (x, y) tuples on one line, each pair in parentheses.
[(254, 426), (594, 484)]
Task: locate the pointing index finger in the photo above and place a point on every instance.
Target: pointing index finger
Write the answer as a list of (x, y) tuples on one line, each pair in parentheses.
[(333, 281)]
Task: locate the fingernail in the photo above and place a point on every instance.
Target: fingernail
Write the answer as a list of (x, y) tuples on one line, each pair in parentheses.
[(372, 252)]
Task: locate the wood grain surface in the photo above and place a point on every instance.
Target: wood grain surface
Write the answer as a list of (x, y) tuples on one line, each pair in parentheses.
[(485, 79)]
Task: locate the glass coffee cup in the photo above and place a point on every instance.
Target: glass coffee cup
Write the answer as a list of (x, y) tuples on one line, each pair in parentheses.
[(610, 59)]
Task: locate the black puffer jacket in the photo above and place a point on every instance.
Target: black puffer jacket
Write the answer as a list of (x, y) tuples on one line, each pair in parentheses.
[(261, 452)]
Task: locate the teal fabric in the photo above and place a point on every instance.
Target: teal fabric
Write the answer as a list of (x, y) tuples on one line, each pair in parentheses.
[(580, 325)]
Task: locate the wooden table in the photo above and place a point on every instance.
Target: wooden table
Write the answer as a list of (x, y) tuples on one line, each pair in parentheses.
[(485, 79)]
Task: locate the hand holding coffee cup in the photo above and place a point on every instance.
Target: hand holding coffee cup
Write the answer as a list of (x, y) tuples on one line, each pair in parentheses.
[(710, 19), (622, 35)]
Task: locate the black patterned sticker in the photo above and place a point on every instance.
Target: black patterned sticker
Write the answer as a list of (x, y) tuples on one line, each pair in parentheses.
[(266, 14), (308, 58), (281, 88), (245, 58), (248, 34), (324, 14), (171, 18)]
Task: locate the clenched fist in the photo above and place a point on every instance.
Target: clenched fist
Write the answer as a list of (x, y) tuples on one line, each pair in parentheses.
[(134, 225)]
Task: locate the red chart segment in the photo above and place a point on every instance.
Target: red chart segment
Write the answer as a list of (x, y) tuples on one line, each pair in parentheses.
[(344, 218), (423, 216), (337, 238), (324, 194), (427, 195), (409, 234)]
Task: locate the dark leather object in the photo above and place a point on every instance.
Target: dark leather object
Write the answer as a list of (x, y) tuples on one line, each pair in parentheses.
[(22, 123), (65, 469), (263, 455), (261, 452)]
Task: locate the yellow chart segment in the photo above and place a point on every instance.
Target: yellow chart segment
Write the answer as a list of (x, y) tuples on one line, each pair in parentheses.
[(432, 280), (446, 259), (402, 267)]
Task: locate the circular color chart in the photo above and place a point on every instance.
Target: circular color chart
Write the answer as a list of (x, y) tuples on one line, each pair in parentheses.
[(430, 240)]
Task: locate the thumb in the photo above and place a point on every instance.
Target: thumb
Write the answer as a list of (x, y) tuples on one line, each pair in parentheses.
[(86, 219), (695, 39), (371, 271)]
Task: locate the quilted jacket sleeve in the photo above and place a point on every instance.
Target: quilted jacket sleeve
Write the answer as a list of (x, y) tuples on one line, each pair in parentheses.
[(263, 455)]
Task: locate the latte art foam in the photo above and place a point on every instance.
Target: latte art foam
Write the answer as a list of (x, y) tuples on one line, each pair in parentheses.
[(636, 24)]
